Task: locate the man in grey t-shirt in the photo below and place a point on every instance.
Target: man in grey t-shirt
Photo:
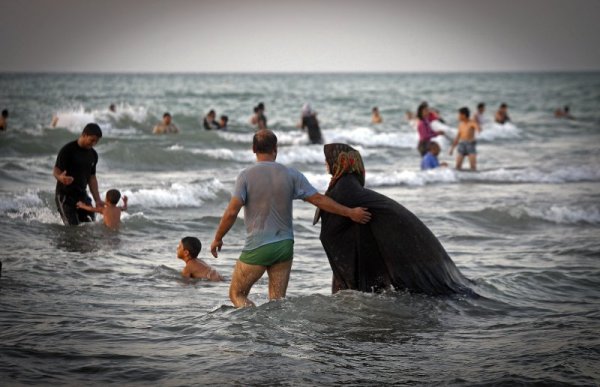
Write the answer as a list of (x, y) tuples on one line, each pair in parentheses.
[(266, 191)]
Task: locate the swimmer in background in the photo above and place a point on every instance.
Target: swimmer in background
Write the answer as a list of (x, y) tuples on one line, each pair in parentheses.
[(188, 250), (3, 120), (259, 119), (465, 139), (501, 116), (166, 126), (223, 122), (111, 214), (309, 122), (430, 160), (478, 116), (210, 121), (563, 113), (375, 116)]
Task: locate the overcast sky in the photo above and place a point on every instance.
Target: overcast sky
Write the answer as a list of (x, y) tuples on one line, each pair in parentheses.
[(299, 36)]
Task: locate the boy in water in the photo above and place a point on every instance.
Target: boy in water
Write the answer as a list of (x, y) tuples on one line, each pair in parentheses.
[(465, 139), (188, 250), (110, 212), (430, 160)]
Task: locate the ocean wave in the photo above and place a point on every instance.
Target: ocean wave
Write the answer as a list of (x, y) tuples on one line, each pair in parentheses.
[(558, 214), (416, 178), (123, 122), (311, 154), (29, 207), (175, 195)]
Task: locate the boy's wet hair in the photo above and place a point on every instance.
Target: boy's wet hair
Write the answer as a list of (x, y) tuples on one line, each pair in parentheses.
[(224, 118), (92, 129), (167, 114), (5, 113), (264, 141), (480, 105), (503, 105), (113, 196), (192, 245), (465, 111)]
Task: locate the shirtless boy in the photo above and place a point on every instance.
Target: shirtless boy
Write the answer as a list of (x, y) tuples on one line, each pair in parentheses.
[(465, 139), (166, 126), (110, 212), (188, 250)]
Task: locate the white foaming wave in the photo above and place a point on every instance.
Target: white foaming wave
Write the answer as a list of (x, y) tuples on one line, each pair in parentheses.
[(566, 214), (494, 130), (30, 207), (417, 178), (533, 175), (283, 138), (310, 154), (371, 138), (176, 195), (75, 119)]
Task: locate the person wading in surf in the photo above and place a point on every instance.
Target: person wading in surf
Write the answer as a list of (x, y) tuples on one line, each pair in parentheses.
[(75, 169), (266, 191)]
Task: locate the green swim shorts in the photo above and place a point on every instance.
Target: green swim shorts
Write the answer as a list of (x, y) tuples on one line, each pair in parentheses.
[(269, 254)]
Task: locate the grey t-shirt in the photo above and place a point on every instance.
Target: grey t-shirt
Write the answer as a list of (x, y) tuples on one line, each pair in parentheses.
[(267, 190)]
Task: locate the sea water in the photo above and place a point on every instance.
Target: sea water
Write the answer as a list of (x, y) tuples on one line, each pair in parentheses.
[(86, 305)]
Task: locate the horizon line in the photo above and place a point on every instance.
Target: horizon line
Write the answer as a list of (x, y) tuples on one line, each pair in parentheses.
[(284, 72)]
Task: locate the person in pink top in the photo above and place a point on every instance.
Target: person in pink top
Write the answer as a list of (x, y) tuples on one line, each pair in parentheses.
[(426, 133)]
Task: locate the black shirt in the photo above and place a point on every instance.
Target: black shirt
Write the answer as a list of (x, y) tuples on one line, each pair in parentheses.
[(80, 164)]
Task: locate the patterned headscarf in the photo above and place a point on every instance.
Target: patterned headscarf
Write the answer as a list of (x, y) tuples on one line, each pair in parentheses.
[(342, 160)]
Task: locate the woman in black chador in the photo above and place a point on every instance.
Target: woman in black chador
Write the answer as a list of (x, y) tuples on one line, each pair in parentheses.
[(394, 250)]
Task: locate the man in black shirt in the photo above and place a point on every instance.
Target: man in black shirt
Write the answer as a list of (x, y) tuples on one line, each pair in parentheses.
[(74, 170)]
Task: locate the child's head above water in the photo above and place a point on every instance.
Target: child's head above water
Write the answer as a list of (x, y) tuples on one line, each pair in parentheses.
[(189, 246), (113, 196), (434, 148), (464, 113)]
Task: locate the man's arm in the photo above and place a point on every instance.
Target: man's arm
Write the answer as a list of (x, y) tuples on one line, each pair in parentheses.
[(454, 143), (227, 221), (357, 214), (93, 184), (61, 176)]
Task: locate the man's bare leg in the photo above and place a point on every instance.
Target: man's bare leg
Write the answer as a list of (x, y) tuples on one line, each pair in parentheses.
[(244, 276), (473, 161), (279, 276), (459, 161)]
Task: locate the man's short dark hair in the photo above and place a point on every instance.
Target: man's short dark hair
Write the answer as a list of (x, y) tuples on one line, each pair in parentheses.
[(264, 141), (113, 196), (193, 245), (480, 105), (4, 113), (503, 105), (261, 106), (92, 129), (167, 114), (465, 111), (211, 112)]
